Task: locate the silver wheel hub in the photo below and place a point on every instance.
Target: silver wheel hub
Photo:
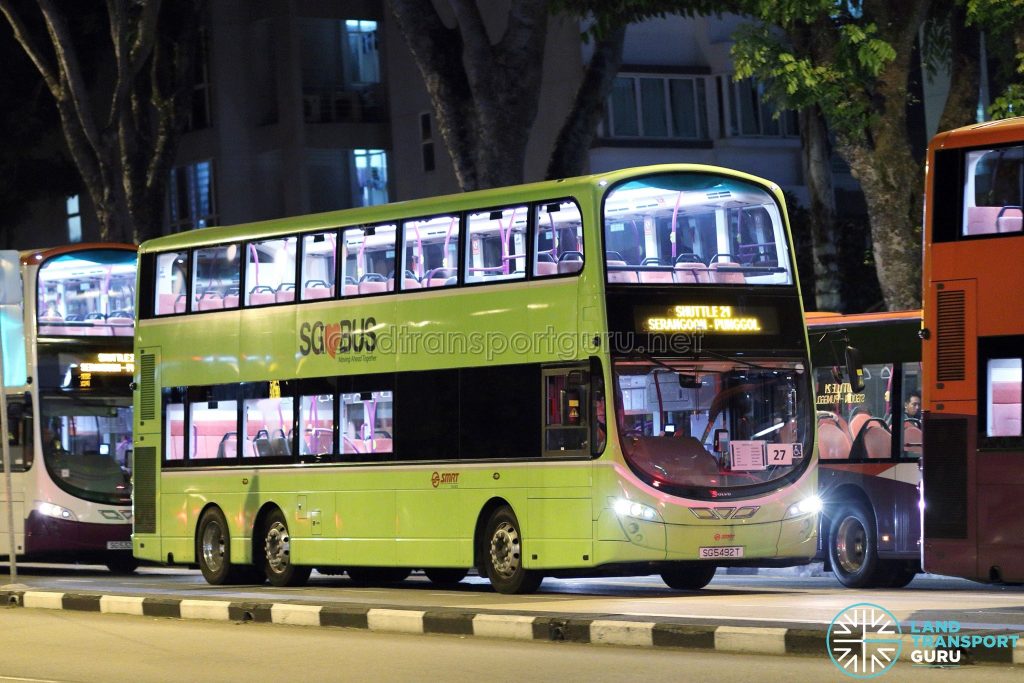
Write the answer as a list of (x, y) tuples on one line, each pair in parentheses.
[(213, 546), (851, 545), (277, 547), (505, 550)]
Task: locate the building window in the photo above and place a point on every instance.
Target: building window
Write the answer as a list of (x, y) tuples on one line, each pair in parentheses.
[(346, 178), (662, 107), (191, 197), (371, 166), (74, 219), (341, 78), (751, 115), (199, 115)]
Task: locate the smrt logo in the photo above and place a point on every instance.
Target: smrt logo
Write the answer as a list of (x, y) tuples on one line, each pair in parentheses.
[(724, 537), (447, 478), (346, 336)]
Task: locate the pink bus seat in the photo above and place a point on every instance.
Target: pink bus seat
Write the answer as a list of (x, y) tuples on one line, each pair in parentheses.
[(166, 303), (261, 295), (691, 273), (626, 276), (833, 440), (351, 289), (372, 286), (381, 445), (981, 220), (877, 440), (857, 422), (1006, 407), (231, 300), (317, 289), (352, 445), (1011, 219), (546, 268), (726, 273), (285, 293), (179, 304), (913, 438), (656, 276), (570, 266), (210, 301)]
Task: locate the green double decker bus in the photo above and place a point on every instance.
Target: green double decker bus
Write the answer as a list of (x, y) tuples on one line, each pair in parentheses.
[(605, 375)]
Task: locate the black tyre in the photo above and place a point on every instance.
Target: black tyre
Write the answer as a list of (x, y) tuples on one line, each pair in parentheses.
[(375, 576), (502, 555), (122, 563), (688, 577), (277, 560), (897, 573), (853, 549), (213, 548), (445, 577)]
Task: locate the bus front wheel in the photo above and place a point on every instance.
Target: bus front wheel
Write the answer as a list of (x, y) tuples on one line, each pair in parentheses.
[(502, 555), (213, 548), (277, 548), (852, 547), (688, 578)]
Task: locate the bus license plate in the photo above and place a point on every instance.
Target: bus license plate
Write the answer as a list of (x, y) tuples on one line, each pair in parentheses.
[(720, 552), (119, 545)]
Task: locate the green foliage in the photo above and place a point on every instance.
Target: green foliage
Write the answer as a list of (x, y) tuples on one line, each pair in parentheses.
[(840, 81), (1009, 104)]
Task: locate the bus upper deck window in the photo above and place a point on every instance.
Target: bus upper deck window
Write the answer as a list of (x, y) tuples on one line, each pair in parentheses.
[(215, 276), (171, 279)]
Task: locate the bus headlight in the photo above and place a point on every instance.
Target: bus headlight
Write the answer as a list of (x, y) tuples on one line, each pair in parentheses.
[(51, 510), (630, 508), (805, 507)]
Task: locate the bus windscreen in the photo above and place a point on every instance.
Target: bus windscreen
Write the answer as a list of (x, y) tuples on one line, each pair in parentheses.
[(87, 293)]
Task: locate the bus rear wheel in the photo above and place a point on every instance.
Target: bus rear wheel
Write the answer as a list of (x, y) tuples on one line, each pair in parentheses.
[(502, 555), (277, 557), (688, 577), (852, 549)]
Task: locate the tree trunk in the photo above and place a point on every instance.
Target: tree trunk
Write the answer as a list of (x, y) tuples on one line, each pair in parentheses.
[(961, 103), (892, 184), (572, 148), (817, 169)]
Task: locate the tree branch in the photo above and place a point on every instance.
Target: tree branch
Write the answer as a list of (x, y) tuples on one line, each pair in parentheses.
[(22, 35), (71, 74)]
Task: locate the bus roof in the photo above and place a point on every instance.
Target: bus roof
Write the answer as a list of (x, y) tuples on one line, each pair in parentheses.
[(36, 256), (986, 133), (551, 189), (831, 319)]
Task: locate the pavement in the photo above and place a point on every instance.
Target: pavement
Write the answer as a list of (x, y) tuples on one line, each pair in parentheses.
[(567, 621)]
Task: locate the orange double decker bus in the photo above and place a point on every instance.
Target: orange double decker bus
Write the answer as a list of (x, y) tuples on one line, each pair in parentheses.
[(973, 512)]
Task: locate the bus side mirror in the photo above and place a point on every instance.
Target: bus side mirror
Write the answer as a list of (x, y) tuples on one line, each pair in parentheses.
[(854, 369), (721, 440)]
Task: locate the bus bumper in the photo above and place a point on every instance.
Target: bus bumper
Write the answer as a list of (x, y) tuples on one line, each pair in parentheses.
[(49, 537), (635, 540)]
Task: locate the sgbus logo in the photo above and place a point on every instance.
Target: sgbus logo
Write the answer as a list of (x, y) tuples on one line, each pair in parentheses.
[(346, 336)]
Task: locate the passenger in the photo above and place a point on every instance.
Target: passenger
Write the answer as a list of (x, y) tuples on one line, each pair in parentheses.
[(912, 407)]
